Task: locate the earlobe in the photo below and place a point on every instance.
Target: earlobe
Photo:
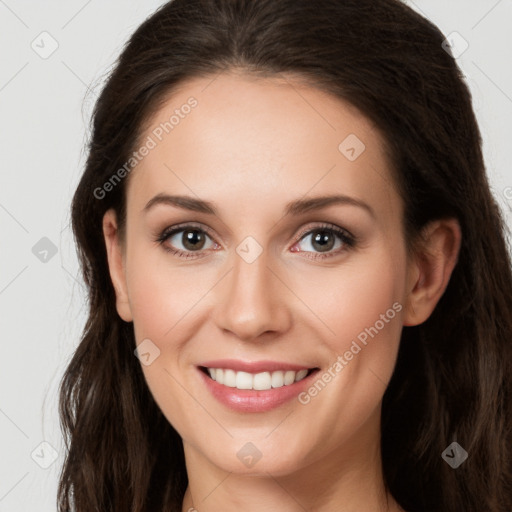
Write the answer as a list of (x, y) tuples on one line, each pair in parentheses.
[(430, 272), (116, 264)]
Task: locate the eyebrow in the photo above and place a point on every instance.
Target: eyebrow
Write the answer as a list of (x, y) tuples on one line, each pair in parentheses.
[(292, 208)]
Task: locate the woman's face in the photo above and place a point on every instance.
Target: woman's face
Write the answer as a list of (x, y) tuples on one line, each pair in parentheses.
[(292, 258)]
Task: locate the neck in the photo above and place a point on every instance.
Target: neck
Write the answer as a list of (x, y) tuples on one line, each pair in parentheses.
[(349, 479)]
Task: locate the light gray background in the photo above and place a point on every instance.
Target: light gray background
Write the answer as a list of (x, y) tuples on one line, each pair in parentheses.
[(45, 106)]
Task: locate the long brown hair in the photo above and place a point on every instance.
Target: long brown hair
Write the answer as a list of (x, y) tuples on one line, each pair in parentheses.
[(453, 376)]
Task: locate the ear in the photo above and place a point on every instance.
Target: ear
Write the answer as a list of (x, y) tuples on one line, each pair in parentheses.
[(115, 255), (431, 269)]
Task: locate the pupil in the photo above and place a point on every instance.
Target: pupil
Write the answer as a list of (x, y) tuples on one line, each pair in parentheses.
[(192, 238), (323, 238)]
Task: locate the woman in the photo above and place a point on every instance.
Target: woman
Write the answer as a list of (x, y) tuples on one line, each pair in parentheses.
[(299, 285)]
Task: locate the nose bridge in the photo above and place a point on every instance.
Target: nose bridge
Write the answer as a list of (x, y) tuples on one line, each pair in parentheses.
[(251, 303)]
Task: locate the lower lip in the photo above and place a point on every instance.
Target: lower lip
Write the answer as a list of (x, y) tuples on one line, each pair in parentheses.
[(251, 400)]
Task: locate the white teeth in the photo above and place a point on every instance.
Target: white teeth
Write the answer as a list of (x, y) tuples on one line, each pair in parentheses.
[(262, 381), (243, 380), (300, 375), (289, 377), (229, 378), (258, 381), (277, 379)]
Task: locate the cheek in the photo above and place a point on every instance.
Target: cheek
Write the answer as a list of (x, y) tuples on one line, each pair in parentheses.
[(162, 300), (162, 294), (361, 304), (352, 297)]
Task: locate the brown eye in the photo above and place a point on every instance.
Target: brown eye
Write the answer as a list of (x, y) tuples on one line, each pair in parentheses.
[(193, 239), (325, 241), (184, 241)]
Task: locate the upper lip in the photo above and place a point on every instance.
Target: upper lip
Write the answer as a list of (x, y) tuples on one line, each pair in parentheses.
[(253, 366)]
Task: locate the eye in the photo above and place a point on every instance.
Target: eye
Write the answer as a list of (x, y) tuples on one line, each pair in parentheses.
[(323, 240), (192, 239)]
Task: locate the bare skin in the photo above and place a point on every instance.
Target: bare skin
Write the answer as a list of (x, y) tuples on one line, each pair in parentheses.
[(250, 147)]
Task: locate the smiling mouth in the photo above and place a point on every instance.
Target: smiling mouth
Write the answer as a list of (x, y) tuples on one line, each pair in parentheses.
[(261, 381)]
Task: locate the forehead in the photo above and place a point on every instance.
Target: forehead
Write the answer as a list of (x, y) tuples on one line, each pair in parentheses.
[(259, 142)]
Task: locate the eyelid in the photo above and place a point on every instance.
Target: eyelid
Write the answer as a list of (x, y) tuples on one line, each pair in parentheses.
[(180, 227), (324, 225)]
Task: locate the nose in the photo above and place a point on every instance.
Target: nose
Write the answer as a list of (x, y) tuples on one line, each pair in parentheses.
[(252, 301)]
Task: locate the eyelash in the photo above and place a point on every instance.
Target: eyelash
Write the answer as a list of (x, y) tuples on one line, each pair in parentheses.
[(348, 240)]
